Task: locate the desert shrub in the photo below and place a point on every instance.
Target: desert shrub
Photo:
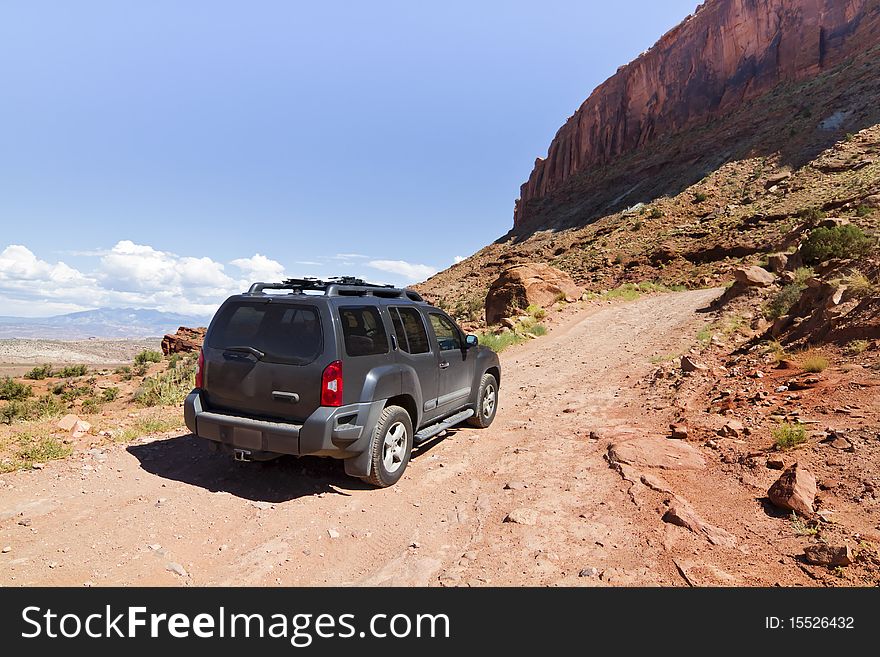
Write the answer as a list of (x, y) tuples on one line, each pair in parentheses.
[(856, 347), (173, 359), (110, 394), (501, 341), (70, 393), (655, 213), (812, 215), (71, 371), (43, 408), (536, 311), (139, 370), (776, 351), (169, 387), (538, 330), (30, 448), (39, 373), (148, 356), (92, 405), (781, 302), (700, 197), (637, 225), (145, 426), (787, 435), (859, 285), (863, 211), (836, 242), (12, 390), (814, 362)]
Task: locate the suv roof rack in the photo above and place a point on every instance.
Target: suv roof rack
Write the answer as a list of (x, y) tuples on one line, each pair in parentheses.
[(338, 286)]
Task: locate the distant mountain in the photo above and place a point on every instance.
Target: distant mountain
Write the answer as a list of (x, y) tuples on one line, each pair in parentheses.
[(100, 323)]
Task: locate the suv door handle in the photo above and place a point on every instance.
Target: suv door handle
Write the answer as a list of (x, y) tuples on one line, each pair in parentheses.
[(444, 365)]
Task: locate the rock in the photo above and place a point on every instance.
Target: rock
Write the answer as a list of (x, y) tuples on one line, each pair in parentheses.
[(176, 568), (6, 549), (155, 547), (776, 463), (828, 555), (655, 483), (332, 533), (777, 262), (184, 340), (679, 431), (795, 490), (730, 51), (68, 422), (753, 276), (656, 453), (522, 517), (25, 522), (873, 201), (262, 506), (80, 428), (688, 364), (833, 222), (525, 285), (589, 572), (507, 322), (515, 485), (777, 178), (681, 513), (731, 429)]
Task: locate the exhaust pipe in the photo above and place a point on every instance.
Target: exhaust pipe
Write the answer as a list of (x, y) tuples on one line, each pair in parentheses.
[(242, 455)]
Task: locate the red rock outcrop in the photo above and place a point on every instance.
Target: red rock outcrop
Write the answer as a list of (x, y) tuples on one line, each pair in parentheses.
[(728, 52), (525, 285), (185, 340)]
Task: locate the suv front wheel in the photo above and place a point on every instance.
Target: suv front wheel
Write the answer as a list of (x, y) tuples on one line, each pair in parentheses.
[(391, 447), (487, 403)]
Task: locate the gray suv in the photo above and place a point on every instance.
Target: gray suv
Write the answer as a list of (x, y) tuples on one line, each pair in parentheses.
[(337, 368)]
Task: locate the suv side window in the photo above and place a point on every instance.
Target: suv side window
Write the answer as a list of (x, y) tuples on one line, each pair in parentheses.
[(363, 331), (410, 329), (447, 334)]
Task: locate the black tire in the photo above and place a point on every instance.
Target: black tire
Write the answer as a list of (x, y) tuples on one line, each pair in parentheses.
[(485, 411), (394, 419)]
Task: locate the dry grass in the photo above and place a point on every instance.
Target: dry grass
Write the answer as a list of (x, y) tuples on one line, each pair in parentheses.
[(813, 362)]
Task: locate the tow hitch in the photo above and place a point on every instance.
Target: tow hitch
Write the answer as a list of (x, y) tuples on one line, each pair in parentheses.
[(242, 455)]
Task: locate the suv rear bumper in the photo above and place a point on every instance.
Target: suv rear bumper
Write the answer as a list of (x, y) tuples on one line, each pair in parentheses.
[(340, 432)]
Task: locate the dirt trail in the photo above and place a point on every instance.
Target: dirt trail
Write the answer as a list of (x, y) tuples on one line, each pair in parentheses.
[(169, 511)]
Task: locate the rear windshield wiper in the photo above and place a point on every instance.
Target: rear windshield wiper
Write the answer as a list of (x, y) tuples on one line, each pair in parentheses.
[(259, 355)]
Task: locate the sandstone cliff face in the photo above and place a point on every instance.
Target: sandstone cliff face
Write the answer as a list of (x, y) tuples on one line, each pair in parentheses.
[(728, 52)]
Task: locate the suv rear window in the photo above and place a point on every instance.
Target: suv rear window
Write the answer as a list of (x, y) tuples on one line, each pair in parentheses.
[(363, 331), (284, 332)]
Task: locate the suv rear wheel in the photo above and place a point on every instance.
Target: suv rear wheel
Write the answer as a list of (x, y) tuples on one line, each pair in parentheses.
[(391, 447), (487, 403)]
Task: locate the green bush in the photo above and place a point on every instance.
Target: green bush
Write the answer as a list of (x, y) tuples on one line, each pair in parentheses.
[(812, 215), (863, 211), (700, 197), (501, 341), (655, 213), (148, 356), (39, 373), (43, 408), (30, 449), (787, 435), (536, 312), (783, 300), (14, 391), (836, 242), (72, 370), (538, 330), (169, 388), (110, 394), (92, 405)]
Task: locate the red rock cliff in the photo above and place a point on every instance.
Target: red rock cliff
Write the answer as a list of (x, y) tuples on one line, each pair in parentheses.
[(729, 51)]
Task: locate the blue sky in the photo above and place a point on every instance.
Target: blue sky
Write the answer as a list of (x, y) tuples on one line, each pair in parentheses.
[(162, 154)]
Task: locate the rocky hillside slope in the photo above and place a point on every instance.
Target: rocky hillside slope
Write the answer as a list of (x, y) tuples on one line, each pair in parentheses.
[(738, 78)]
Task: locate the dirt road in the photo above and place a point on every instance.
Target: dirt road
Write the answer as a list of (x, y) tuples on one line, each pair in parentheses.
[(168, 511)]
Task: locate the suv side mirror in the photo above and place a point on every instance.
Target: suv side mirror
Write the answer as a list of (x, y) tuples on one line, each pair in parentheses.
[(471, 341)]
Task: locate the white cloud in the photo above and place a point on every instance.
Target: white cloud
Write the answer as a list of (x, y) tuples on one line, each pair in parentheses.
[(411, 272), (259, 268), (128, 274), (349, 256), (458, 259)]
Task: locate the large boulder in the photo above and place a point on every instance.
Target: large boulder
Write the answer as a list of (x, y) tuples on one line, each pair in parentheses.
[(754, 276), (525, 285), (185, 340), (795, 491)]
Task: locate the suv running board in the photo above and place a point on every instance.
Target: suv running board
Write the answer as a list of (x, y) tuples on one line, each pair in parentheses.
[(432, 430)]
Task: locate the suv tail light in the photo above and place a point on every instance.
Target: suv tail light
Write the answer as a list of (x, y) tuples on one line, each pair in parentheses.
[(331, 384), (200, 370)]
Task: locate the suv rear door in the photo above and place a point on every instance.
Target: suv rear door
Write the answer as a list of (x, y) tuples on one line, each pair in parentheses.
[(455, 362), (265, 357), (414, 349)]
